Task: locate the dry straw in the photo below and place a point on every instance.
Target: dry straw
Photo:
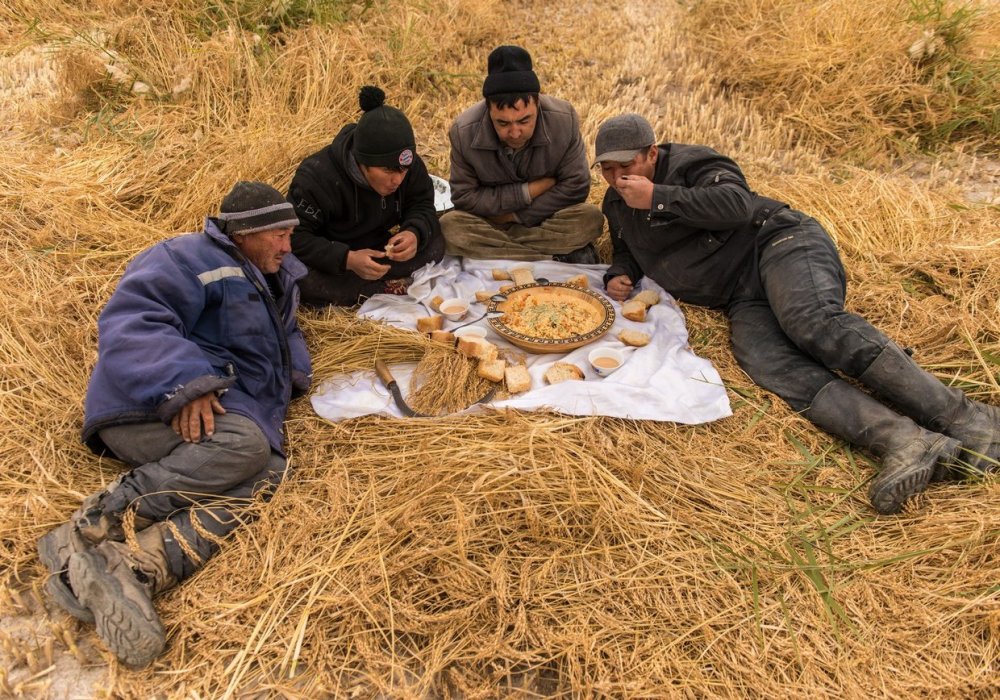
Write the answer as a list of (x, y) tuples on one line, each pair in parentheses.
[(865, 80), (499, 553)]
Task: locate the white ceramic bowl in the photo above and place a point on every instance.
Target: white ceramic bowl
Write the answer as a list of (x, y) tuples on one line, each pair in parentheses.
[(605, 360), (454, 309), (471, 332)]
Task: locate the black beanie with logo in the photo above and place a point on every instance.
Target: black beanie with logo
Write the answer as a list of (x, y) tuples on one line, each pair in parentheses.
[(383, 136)]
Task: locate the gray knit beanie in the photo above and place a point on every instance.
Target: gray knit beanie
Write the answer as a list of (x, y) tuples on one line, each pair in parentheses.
[(255, 206)]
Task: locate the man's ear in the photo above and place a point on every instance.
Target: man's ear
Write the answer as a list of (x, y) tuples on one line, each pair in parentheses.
[(653, 150)]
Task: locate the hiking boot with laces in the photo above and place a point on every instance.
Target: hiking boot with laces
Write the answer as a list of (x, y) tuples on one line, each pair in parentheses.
[(117, 584), (54, 550), (59, 544)]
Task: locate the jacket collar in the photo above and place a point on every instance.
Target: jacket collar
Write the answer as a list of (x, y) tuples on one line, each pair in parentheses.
[(292, 269)]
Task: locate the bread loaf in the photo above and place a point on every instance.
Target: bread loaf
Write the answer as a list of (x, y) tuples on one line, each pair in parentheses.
[(446, 337), (517, 379), (499, 274), (634, 310), (580, 281), (483, 295), (491, 369), (522, 275), (561, 372), (648, 297), (436, 303), (477, 348), (634, 338), (430, 323)]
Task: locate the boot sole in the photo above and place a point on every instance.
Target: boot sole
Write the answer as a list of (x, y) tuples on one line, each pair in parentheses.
[(890, 494), (128, 624), (55, 586)]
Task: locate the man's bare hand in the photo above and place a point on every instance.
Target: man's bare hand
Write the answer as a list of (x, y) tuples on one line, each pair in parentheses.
[(402, 246), (636, 190), (197, 418), (538, 187), (364, 263), (619, 287)]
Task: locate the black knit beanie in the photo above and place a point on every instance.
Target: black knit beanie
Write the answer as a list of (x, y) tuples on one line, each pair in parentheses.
[(509, 71), (383, 136), (255, 206)]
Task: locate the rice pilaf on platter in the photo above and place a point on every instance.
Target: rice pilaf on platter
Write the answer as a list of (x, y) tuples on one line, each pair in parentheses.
[(557, 319)]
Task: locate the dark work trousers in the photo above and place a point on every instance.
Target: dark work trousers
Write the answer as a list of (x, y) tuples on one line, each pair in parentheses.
[(203, 488), (320, 289), (789, 327)]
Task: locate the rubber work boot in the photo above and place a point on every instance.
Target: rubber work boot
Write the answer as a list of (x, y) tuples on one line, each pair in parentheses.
[(908, 452), (944, 409), (117, 584)]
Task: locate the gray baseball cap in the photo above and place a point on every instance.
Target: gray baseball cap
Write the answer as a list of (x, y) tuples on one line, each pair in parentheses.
[(623, 137)]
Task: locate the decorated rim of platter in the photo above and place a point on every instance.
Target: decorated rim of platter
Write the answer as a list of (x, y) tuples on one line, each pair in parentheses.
[(602, 328)]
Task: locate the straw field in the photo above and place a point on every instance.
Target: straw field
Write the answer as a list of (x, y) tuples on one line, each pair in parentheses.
[(503, 554), (863, 80)]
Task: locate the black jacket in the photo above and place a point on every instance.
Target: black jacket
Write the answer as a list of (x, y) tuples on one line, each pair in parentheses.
[(698, 240), (338, 211)]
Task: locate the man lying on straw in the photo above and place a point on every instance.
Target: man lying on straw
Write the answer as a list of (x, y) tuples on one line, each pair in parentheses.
[(684, 216), (519, 176), (351, 196), (199, 353)]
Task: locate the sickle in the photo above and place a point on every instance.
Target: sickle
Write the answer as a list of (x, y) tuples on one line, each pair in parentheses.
[(382, 370)]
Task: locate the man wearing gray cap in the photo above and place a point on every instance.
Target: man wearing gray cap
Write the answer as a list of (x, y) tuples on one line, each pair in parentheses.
[(519, 174), (684, 216), (199, 354)]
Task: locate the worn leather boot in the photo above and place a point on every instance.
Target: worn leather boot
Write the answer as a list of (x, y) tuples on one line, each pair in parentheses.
[(908, 452), (897, 378), (59, 544), (54, 550), (117, 584), (95, 525)]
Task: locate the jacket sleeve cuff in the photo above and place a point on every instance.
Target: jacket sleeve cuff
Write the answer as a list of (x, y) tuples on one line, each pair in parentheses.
[(300, 382), (186, 393), (660, 205), (612, 273)]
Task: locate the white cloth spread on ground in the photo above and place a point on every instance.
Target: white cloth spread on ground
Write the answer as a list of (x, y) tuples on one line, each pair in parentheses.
[(662, 381)]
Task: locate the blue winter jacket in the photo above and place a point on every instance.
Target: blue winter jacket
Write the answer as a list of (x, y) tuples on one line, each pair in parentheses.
[(192, 315)]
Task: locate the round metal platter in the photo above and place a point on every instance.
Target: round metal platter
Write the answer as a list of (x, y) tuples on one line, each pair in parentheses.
[(603, 315)]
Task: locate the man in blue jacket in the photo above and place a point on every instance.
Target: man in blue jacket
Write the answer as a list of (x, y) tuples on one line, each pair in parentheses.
[(199, 354), (684, 216)]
